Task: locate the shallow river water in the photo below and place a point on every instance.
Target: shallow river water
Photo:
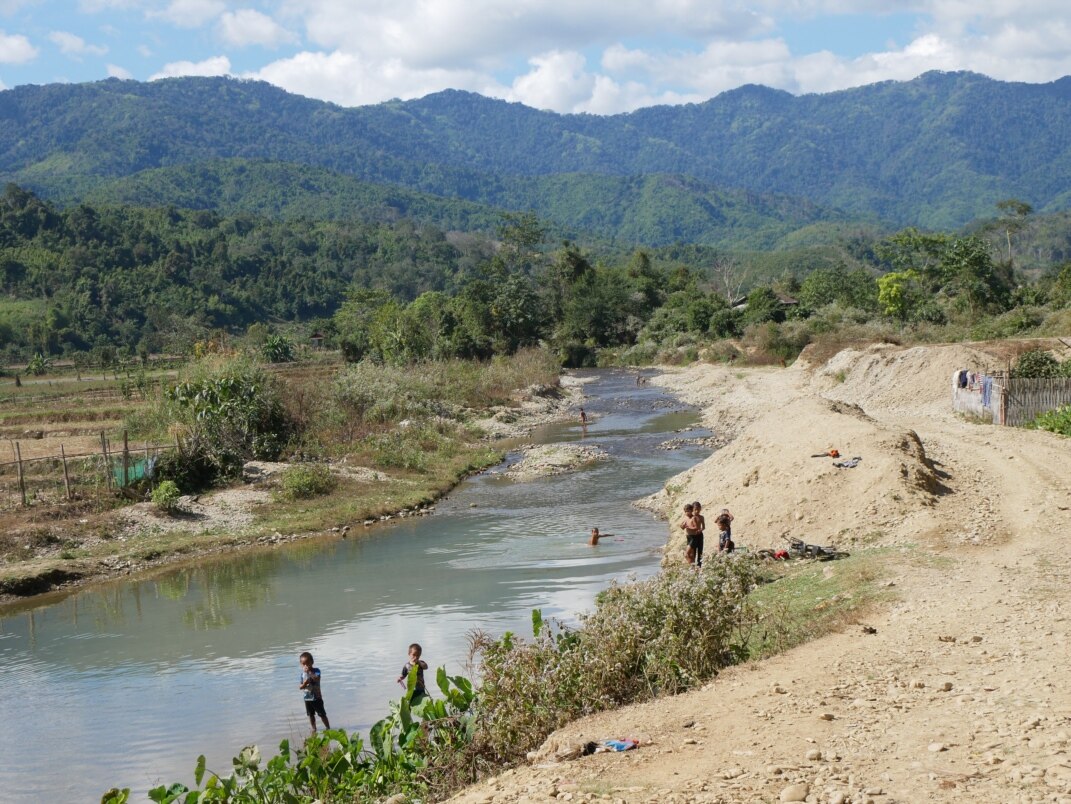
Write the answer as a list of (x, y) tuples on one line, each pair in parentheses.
[(125, 684)]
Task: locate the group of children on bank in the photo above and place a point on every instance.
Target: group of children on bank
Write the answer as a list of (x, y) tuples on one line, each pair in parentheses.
[(694, 524), (314, 700)]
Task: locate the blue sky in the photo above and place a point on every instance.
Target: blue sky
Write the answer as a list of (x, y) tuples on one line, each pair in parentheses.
[(598, 56)]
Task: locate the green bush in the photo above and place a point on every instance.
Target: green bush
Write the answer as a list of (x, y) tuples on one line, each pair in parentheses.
[(231, 412), (38, 365), (1037, 363), (166, 496), (307, 480), (657, 637), (402, 757), (406, 447), (189, 468), (1017, 321), (1055, 421), (277, 349)]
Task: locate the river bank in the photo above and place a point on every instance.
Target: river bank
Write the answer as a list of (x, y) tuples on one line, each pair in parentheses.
[(209, 648), (46, 556), (939, 680)]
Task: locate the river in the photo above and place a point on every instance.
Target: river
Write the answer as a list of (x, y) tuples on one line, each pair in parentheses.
[(126, 684)]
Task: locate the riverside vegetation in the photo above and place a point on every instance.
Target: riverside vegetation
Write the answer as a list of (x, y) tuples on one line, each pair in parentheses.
[(363, 441), (643, 640)]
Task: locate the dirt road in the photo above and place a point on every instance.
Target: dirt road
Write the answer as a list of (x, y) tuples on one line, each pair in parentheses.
[(961, 694)]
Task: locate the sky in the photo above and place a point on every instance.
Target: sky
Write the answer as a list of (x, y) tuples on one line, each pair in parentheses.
[(595, 56)]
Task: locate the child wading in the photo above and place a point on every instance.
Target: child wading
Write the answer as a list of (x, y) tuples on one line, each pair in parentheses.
[(419, 691), (310, 683)]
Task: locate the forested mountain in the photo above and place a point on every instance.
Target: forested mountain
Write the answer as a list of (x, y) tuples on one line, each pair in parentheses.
[(653, 210), (937, 151), (92, 277)]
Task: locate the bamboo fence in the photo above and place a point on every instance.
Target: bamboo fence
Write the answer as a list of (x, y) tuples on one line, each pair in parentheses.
[(56, 479)]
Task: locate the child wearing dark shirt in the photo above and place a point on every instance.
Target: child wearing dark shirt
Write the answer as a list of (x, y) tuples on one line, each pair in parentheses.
[(419, 691), (310, 683)]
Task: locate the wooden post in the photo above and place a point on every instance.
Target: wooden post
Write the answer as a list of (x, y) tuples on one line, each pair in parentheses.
[(126, 460), (107, 460), (22, 479), (66, 476)]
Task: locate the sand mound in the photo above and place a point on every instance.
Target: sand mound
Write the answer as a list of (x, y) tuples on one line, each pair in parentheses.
[(771, 480)]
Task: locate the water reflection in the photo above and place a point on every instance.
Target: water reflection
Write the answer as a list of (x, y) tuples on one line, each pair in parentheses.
[(132, 681)]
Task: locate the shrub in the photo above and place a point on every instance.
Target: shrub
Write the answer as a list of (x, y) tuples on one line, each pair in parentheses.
[(402, 757), (189, 468), (640, 354), (231, 411), (1036, 363), (307, 480), (406, 447), (38, 365), (770, 342), (1055, 421), (277, 349), (166, 496), (657, 637), (1012, 323)]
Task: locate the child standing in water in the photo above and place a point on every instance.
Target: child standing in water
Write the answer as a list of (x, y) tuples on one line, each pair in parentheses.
[(419, 691), (310, 683)]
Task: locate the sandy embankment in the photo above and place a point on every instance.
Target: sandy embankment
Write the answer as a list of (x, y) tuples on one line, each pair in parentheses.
[(960, 695)]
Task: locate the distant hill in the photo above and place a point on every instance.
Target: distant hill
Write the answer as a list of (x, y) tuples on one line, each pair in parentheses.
[(623, 210), (937, 151)]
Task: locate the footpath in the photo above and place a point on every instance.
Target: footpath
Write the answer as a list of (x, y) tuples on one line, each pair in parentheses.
[(954, 690)]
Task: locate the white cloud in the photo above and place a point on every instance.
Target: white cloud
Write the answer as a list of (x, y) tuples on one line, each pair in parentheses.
[(11, 6), (145, 51), (95, 6), (351, 80), (217, 65), (115, 71), (249, 27), (558, 81), (190, 13), (466, 32), (607, 56), (75, 46), (16, 49)]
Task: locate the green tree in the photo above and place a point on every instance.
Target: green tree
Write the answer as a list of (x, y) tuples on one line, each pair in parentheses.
[(967, 273), (1013, 220), (354, 320), (899, 293), (826, 286)]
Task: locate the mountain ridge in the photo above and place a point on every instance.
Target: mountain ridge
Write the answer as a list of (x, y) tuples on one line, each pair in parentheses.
[(936, 151)]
